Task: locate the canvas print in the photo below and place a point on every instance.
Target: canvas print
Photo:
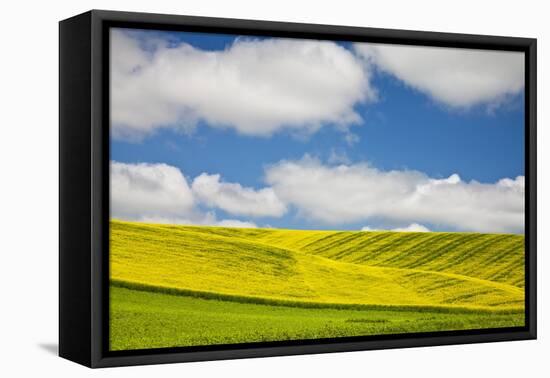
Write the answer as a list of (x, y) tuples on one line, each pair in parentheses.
[(270, 189)]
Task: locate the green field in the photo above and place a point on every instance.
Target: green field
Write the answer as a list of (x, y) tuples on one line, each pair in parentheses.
[(197, 285)]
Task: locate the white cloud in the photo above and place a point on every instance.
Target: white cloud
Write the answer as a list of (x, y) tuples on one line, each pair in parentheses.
[(368, 228), (149, 190), (456, 77), (207, 219), (236, 199), (351, 193), (413, 227), (338, 157), (256, 87), (158, 193), (235, 223)]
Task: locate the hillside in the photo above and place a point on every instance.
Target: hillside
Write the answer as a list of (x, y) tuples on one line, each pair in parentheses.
[(322, 268)]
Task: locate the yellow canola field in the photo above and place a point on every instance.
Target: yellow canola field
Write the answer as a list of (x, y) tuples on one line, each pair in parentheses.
[(463, 270)]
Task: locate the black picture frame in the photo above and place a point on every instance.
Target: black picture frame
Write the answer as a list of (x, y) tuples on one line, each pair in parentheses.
[(84, 187)]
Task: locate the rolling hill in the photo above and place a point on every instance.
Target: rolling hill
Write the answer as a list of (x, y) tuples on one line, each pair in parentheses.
[(477, 277)]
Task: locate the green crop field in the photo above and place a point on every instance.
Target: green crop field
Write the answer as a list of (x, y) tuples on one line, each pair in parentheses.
[(197, 285)]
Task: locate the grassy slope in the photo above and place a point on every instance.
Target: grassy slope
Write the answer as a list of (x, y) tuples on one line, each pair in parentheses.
[(367, 270), (141, 319)]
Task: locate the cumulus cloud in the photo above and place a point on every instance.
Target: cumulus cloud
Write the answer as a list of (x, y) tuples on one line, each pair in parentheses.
[(351, 193), (236, 199), (338, 157), (159, 193), (254, 86), (149, 190), (413, 227), (459, 78), (204, 219), (330, 194), (235, 223), (368, 228)]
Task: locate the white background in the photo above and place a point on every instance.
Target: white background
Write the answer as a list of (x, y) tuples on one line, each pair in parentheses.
[(29, 187)]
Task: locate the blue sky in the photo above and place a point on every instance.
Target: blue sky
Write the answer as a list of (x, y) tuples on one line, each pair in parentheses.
[(405, 128)]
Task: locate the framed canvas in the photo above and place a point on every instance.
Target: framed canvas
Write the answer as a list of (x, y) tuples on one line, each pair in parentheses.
[(234, 188)]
